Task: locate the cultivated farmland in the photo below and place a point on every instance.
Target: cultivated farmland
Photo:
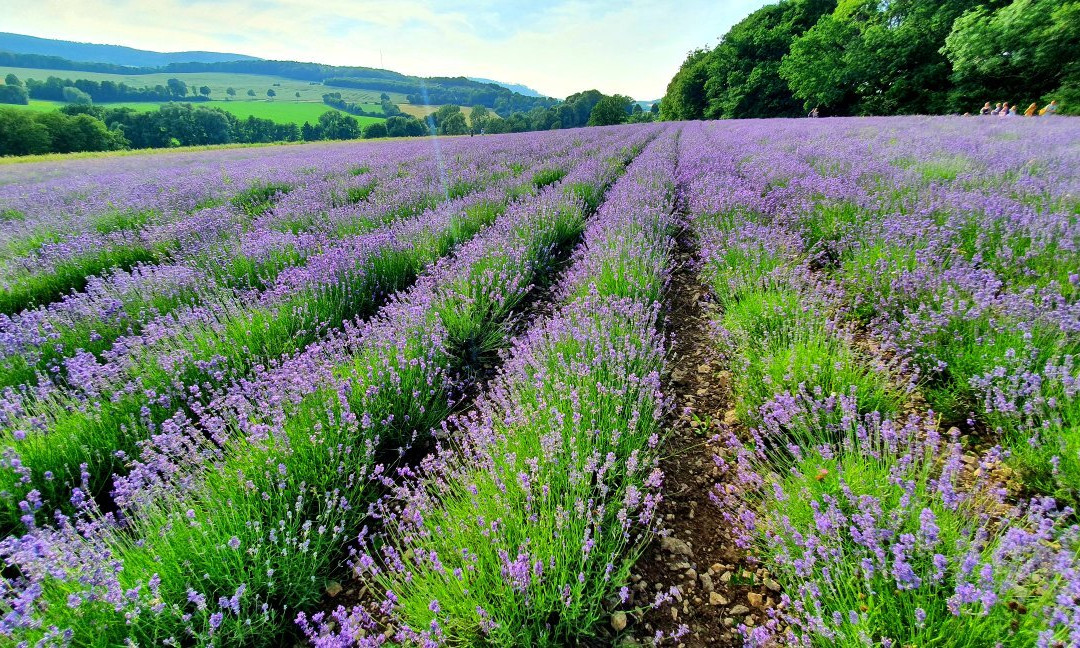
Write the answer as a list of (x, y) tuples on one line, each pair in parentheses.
[(764, 383)]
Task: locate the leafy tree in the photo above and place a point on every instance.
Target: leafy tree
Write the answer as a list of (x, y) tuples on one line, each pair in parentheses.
[(21, 134), (12, 80), (204, 91), (13, 94), (1020, 52), (655, 108), (230, 91), (74, 95), (251, 93), (744, 69), (479, 117), (497, 126), (375, 129), (298, 96), (873, 57), (336, 125), (581, 105), (454, 124), (404, 126), (610, 110), (270, 93), (685, 97), (177, 88), (740, 77), (444, 113)]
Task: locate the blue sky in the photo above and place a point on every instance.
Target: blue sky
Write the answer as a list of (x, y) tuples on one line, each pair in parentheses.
[(558, 47)]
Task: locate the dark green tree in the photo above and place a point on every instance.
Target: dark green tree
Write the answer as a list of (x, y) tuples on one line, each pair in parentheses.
[(479, 117), (21, 134), (251, 93), (231, 92), (444, 113), (870, 57), (177, 88), (454, 124), (13, 94), (73, 95), (336, 125), (685, 97), (375, 129), (12, 80), (205, 91), (610, 110), (404, 126), (270, 93), (1021, 52)]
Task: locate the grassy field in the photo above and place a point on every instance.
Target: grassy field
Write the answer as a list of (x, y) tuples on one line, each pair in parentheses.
[(280, 111), (284, 109), (423, 111), (218, 82)]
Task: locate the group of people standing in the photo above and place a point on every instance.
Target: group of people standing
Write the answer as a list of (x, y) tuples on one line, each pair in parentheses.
[(1005, 110)]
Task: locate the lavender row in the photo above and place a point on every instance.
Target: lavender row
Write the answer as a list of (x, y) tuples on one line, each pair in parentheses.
[(873, 522), (129, 234), (181, 360), (91, 321), (267, 515), (538, 506)]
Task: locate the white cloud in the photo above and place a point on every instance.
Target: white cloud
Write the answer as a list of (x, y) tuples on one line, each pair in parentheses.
[(632, 47)]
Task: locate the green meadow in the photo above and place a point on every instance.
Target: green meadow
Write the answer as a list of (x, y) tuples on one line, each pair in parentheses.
[(278, 110)]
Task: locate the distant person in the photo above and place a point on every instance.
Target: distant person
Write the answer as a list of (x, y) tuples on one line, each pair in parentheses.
[(1032, 110), (1004, 112), (996, 111), (814, 114), (985, 110), (1014, 111), (1051, 108)]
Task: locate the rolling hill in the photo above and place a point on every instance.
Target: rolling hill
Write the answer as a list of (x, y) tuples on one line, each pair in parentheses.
[(113, 54)]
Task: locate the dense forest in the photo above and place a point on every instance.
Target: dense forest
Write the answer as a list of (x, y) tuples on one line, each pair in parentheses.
[(884, 57)]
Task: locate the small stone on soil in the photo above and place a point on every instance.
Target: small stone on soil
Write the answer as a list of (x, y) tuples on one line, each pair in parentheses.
[(675, 546), (618, 621)]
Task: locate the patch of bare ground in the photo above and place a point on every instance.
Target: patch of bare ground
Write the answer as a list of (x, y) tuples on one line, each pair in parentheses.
[(718, 586)]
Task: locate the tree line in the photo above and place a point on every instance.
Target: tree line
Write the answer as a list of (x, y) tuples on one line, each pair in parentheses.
[(87, 127), (57, 89), (883, 57), (387, 108)]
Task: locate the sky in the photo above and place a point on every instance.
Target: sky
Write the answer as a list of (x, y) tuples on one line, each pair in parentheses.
[(557, 47)]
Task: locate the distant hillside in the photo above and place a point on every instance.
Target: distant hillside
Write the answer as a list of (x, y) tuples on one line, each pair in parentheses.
[(513, 87), (417, 90), (113, 54)]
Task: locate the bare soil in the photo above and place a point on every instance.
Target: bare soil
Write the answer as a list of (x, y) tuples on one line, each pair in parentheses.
[(719, 587)]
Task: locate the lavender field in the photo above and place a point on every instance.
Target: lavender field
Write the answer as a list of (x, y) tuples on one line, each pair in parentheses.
[(745, 383)]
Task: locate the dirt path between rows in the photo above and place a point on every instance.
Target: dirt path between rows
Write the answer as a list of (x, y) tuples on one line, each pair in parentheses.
[(718, 589)]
